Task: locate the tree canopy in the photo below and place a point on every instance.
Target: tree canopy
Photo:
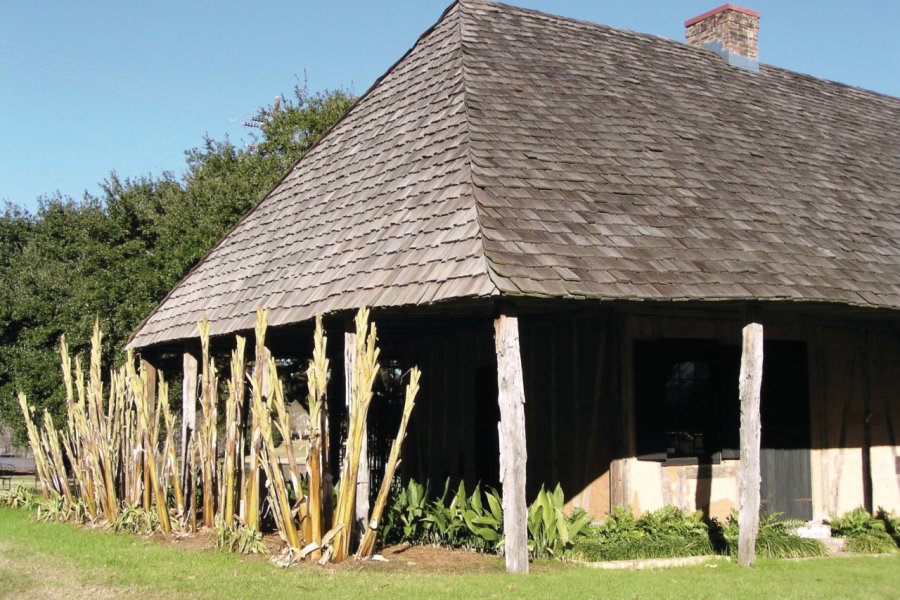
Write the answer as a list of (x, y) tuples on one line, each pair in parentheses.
[(116, 256)]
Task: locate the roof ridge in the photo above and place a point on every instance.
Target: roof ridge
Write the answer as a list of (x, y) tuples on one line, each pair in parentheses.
[(470, 161)]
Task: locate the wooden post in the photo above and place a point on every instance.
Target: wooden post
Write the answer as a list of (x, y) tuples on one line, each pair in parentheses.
[(749, 477), (149, 381), (361, 511), (513, 451), (188, 415)]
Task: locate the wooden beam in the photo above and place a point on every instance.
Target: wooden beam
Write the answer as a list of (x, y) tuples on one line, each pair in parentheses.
[(148, 372), (749, 476), (363, 476), (513, 451), (188, 399)]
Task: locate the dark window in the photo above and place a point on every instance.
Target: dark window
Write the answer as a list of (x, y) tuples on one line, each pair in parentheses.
[(687, 400)]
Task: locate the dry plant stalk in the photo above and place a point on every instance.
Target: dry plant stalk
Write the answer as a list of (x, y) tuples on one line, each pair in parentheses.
[(41, 462), (51, 450), (250, 503), (283, 424), (278, 493), (169, 469), (365, 371), (207, 430), (317, 382), (102, 443), (112, 442), (138, 385), (367, 546), (85, 463), (234, 451)]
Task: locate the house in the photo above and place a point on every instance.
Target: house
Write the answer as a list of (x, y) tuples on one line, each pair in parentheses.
[(619, 205)]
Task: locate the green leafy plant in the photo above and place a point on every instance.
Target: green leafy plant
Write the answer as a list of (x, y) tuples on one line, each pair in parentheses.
[(484, 521), (238, 538), (777, 538), (891, 523), (475, 522), (134, 519), (453, 520), (666, 533), (864, 533), (444, 523), (550, 531), (20, 497), (404, 519)]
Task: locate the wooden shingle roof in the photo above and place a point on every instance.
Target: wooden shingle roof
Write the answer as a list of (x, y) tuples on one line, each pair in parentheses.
[(512, 152)]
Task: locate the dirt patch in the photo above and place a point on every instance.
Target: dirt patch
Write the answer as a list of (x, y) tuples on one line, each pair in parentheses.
[(432, 559), (402, 558), (201, 540)]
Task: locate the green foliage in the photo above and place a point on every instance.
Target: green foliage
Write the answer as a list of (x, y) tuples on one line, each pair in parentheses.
[(866, 534), (118, 254), (444, 522), (137, 520), (239, 538), (56, 509), (21, 497), (891, 523), (453, 520), (666, 533), (404, 518), (484, 519), (777, 538), (550, 531)]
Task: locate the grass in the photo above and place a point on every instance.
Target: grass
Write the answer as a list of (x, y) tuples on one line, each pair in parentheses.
[(62, 560)]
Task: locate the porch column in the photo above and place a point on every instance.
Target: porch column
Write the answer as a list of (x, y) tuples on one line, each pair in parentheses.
[(749, 476), (361, 511), (513, 452)]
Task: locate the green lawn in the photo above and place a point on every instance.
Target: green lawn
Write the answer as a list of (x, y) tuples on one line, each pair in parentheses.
[(50, 560)]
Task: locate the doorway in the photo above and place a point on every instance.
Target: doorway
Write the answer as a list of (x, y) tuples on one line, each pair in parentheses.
[(784, 412)]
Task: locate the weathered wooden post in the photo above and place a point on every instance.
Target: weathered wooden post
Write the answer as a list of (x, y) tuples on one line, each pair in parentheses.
[(513, 451), (749, 477), (148, 372), (362, 479), (188, 401)]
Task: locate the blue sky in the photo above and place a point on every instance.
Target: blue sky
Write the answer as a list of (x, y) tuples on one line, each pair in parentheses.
[(93, 86)]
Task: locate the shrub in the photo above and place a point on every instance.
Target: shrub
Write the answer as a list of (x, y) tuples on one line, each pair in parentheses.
[(550, 531), (18, 498), (864, 533), (404, 518), (239, 538), (666, 533), (476, 522), (452, 521), (891, 523), (777, 538), (134, 519)]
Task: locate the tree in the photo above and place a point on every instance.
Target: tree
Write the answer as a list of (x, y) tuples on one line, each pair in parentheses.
[(117, 255)]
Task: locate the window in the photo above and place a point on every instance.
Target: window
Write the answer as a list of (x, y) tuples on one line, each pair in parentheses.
[(687, 401)]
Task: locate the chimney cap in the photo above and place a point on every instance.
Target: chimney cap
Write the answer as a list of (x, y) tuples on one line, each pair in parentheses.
[(724, 7)]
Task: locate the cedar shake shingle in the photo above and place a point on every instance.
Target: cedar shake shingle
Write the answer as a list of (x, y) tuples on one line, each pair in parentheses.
[(512, 152)]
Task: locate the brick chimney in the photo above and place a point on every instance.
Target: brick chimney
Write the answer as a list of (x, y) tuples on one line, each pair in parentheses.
[(730, 31)]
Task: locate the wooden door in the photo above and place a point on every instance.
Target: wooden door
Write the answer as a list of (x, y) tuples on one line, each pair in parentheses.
[(785, 456)]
